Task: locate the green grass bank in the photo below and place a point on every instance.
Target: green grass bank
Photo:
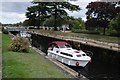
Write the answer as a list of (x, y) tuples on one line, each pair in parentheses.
[(103, 38), (27, 65)]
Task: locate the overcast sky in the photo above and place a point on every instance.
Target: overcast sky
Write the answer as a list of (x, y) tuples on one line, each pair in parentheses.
[(14, 11)]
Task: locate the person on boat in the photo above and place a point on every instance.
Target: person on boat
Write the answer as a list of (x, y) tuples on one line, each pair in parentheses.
[(78, 46)]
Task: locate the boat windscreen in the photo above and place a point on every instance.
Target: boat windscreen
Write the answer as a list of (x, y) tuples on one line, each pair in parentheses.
[(62, 46), (65, 46)]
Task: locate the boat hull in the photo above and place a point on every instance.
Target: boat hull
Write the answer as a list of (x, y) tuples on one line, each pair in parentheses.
[(68, 61)]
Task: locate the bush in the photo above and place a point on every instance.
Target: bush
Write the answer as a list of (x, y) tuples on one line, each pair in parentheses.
[(4, 31), (115, 34), (19, 44), (85, 31)]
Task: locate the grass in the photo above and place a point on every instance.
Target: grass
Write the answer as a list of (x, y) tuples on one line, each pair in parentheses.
[(88, 36), (0, 42), (27, 65)]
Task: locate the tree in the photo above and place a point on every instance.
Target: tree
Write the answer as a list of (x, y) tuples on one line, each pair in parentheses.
[(43, 10), (37, 13), (103, 12), (58, 9), (115, 23), (91, 24), (78, 23), (0, 24), (26, 23), (50, 22)]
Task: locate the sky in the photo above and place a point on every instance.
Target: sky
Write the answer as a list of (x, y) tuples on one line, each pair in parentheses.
[(12, 11)]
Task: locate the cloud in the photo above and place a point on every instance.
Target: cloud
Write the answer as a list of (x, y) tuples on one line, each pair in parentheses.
[(12, 17), (49, 0), (16, 0), (80, 13), (19, 7), (13, 12)]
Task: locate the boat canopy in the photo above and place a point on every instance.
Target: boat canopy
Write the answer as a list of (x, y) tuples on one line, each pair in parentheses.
[(59, 42)]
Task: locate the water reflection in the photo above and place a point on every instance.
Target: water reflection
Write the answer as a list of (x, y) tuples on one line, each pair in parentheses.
[(98, 70)]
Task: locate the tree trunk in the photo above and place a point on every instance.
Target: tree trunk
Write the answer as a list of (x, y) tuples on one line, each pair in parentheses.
[(55, 17), (38, 19), (104, 30)]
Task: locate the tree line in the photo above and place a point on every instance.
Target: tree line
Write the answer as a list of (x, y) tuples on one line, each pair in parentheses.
[(103, 17), (47, 13)]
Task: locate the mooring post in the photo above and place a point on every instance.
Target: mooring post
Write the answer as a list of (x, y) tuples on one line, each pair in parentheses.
[(79, 74)]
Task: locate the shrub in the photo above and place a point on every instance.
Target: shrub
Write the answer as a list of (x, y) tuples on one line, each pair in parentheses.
[(85, 31), (4, 30), (19, 44)]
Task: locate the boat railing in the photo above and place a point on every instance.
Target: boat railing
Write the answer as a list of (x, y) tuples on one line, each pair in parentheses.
[(89, 53)]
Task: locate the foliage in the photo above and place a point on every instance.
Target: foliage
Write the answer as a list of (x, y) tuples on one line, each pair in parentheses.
[(0, 24), (103, 12), (114, 26), (115, 23), (38, 13), (19, 44), (84, 31), (4, 30), (51, 21), (78, 23)]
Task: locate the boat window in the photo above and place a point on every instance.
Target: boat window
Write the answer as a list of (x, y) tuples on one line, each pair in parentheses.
[(56, 46), (66, 54), (67, 45), (62, 46), (83, 55), (52, 46), (78, 55)]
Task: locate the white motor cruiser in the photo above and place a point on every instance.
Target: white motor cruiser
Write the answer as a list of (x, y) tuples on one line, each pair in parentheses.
[(64, 53)]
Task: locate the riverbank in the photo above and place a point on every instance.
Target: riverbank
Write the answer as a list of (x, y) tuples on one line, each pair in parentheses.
[(79, 39), (102, 38), (27, 65)]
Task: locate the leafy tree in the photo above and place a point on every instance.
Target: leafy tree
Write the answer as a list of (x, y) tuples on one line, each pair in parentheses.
[(115, 24), (78, 23), (37, 13), (91, 24), (58, 9), (102, 12), (42, 10), (25, 23), (50, 22), (0, 24)]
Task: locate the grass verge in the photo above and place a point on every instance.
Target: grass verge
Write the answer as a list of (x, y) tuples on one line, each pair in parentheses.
[(27, 65), (88, 36)]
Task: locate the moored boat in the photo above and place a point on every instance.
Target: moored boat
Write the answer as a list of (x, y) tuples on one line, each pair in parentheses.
[(64, 53)]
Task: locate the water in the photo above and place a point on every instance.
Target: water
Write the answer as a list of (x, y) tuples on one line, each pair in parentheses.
[(100, 70)]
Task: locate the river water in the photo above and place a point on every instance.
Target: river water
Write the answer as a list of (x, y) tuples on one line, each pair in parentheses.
[(97, 70)]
